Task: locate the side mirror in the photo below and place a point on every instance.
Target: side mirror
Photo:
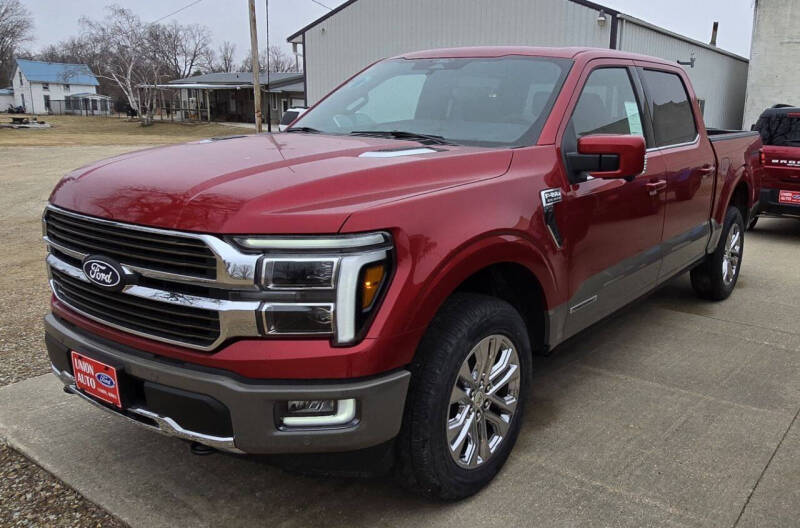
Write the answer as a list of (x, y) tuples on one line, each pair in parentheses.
[(608, 156)]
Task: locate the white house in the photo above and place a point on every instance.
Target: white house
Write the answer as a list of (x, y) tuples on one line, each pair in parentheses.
[(57, 88)]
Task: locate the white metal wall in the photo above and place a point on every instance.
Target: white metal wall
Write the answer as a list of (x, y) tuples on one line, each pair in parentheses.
[(718, 78), (369, 30), (775, 58)]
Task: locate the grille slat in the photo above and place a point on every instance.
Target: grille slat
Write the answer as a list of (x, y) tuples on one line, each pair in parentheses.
[(183, 324), (137, 235), (139, 244), (144, 249), (107, 248)]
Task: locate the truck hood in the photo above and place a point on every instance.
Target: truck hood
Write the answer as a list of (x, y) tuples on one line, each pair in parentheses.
[(284, 183)]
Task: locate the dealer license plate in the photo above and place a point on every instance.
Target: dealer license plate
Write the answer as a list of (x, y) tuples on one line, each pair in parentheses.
[(789, 197), (96, 378)]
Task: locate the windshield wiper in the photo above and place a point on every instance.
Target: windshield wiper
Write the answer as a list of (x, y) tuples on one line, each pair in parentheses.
[(400, 134), (303, 129)]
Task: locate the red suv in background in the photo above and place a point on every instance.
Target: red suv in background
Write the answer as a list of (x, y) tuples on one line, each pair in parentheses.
[(779, 127)]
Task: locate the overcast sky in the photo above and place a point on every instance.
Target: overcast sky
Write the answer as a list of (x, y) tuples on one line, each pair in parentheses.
[(57, 20)]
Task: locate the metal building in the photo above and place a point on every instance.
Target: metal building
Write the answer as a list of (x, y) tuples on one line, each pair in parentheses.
[(775, 66), (360, 32)]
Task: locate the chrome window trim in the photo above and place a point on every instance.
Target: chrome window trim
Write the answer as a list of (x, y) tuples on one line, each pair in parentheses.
[(234, 268), (676, 145), (236, 318)]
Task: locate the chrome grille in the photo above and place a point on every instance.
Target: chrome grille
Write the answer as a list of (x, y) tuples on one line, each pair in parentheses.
[(169, 322), (130, 246)]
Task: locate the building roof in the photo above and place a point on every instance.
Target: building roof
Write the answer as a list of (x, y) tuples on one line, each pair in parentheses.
[(7, 91), (57, 72), (276, 79), (87, 95)]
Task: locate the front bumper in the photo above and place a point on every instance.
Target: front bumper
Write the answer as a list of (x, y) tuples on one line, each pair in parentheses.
[(235, 414), (768, 204)]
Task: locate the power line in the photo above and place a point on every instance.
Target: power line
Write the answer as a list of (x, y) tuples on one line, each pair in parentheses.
[(187, 6), (323, 5)]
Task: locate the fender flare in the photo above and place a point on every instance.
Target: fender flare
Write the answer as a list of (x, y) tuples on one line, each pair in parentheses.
[(478, 254)]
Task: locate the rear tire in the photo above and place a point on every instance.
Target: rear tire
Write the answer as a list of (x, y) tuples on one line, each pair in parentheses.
[(716, 277), (461, 421)]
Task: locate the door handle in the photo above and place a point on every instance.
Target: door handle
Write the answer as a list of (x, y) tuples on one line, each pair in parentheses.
[(657, 186), (707, 169)]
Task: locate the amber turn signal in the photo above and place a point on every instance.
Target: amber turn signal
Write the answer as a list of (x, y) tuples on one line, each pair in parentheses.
[(371, 279)]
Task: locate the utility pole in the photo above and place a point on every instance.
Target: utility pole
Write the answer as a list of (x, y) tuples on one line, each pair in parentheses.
[(269, 95), (254, 55)]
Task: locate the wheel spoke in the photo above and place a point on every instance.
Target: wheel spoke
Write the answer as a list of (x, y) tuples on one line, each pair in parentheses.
[(503, 404), (498, 423), (484, 449), (458, 432), (465, 376), (511, 373), (474, 447), (491, 353), (459, 395)]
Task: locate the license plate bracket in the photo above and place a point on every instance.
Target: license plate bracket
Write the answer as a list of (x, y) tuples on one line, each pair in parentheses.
[(95, 378)]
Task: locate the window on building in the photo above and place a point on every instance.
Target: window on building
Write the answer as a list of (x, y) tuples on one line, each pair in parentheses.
[(20, 79), (47, 102), (673, 119), (607, 105), (46, 86), (285, 104), (94, 104)]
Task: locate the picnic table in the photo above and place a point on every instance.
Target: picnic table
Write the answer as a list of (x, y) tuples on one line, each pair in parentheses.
[(19, 121)]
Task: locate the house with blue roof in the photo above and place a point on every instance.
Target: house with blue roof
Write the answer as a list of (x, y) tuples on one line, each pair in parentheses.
[(57, 88)]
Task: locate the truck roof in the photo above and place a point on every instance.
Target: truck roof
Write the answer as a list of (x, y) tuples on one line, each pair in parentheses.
[(532, 51)]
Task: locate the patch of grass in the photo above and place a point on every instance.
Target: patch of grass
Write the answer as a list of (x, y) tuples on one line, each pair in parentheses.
[(77, 130)]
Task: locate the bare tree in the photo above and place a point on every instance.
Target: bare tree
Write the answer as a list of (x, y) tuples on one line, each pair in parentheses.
[(279, 61), (227, 53), (180, 48), (16, 25)]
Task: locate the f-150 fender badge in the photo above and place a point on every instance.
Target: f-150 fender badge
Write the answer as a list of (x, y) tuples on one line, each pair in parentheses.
[(550, 197)]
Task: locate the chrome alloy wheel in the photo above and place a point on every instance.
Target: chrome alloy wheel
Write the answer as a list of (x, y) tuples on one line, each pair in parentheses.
[(483, 401), (732, 255)]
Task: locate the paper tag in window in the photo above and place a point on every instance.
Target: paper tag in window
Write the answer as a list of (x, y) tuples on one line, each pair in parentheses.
[(634, 120)]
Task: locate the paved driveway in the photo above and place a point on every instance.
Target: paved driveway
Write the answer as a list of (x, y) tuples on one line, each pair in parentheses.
[(677, 412)]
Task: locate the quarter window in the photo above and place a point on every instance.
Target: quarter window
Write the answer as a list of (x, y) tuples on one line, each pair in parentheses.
[(673, 119), (607, 105)]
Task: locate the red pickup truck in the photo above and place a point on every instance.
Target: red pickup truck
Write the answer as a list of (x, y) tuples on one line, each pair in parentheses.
[(779, 127), (381, 274)]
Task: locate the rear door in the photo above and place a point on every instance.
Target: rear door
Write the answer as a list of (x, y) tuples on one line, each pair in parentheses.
[(690, 166), (614, 226)]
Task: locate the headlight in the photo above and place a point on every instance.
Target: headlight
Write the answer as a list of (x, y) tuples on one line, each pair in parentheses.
[(317, 286)]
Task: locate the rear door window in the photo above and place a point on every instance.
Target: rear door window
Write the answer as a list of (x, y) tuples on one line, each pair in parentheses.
[(673, 119)]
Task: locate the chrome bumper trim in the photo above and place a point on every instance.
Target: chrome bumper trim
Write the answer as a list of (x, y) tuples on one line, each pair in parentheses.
[(236, 318), (234, 268), (165, 425)]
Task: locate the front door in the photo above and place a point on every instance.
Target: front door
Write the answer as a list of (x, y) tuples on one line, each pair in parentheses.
[(614, 226)]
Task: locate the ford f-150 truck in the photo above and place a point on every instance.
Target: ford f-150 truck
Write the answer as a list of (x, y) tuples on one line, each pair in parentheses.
[(381, 274), (780, 187)]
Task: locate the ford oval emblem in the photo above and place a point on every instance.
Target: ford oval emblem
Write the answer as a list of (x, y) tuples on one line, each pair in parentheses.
[(103, 272), (105, 379)]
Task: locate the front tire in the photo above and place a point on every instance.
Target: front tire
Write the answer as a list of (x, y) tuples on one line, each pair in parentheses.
[(469, 380), (716, 278)]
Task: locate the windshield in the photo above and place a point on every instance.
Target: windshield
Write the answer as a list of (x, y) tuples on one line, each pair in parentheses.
[(474, 101)]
